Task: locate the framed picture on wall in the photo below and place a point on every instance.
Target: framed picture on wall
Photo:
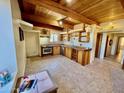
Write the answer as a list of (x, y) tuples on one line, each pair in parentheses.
[(21, 34), (110, 42)]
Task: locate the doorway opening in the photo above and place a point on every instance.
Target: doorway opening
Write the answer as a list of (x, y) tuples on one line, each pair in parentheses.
[(98, 45), (117, 56)]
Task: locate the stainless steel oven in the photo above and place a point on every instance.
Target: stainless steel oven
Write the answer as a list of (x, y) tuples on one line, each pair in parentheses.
[(46, 50)]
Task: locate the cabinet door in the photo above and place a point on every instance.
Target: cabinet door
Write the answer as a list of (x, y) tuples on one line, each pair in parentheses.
[(65, 51), (56, 50), (83, 57), (68, 52), (80, 57)]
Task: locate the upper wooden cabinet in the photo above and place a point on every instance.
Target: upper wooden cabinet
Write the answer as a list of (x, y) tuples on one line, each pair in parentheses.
[(65, 37), (56, 50), (84, 37)]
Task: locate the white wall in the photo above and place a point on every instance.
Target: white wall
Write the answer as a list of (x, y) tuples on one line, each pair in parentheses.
[(121, 44), (117, 24), (20, 45), (7, 43), (109, 48), (32, 43), (103, 44), (44, 40), (93, 43), (114, 45), (8, 59)]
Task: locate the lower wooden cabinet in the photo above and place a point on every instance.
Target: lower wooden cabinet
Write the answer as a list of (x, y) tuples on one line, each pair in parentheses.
[(56, 50), (80, 56), (68, 52), (84, 57), (74, 55)]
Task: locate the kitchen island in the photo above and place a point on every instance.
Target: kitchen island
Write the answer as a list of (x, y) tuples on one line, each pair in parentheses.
[(80, 54)]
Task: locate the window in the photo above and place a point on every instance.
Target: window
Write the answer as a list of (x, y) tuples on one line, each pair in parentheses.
[(54, 37)]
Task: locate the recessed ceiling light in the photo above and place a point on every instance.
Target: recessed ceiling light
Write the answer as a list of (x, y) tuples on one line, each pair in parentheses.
[(68, 1)]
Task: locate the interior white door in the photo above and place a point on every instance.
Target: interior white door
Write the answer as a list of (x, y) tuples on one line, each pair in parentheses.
[(32, 44)]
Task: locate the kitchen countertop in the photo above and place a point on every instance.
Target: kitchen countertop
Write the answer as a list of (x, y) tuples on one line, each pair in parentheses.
[(68, 46), (50, 45), (78, 48)]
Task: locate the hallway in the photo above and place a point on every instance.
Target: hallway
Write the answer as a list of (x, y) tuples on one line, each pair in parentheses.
[(116, 58)]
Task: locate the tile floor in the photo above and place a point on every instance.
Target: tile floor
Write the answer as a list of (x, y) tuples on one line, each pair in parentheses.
[(115, 58), (101, 76)]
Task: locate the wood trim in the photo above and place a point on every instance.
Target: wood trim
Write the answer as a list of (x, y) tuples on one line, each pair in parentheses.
[(49, 4)]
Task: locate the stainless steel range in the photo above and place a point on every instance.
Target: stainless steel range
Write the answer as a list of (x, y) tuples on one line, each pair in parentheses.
[(46, 50)]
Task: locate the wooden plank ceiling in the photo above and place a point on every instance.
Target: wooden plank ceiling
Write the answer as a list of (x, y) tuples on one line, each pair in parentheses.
[(71, 12)]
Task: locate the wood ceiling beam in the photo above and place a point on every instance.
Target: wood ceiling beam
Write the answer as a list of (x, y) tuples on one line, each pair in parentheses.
[(51, 5), (44, 20), (21, 5), (39, 19), (122, 3), (45, 25), (95, 5)]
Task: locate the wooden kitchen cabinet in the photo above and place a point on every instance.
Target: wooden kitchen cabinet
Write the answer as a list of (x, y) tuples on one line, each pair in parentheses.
[(74, 55), (84, 57), (68, 52), (56, 50)]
